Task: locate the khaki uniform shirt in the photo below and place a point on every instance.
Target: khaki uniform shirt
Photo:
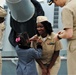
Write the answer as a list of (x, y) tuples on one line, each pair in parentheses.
[(48, 50), (2, 27), (2, 12), (69, 21), (69, 16)]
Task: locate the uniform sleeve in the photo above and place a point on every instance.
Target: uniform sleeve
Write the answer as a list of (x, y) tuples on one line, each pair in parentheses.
[(33, 44), (2, 26), (2, 12), (58, 46), (67, 18)]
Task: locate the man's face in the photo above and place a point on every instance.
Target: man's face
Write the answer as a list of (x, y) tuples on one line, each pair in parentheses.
[(60, 3)]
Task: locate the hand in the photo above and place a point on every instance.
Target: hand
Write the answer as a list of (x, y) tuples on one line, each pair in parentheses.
[(44, 71), (61, 32), (48, 71), (39, 41), (56, 38), (34, 38)]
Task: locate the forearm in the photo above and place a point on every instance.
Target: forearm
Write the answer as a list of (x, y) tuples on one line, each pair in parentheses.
[(34, 38), (54, 57), (43, 68), (66, 34), (40, 63)]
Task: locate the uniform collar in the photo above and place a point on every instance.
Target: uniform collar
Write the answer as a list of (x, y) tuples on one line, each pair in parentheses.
[(47, 37), (67, 1)]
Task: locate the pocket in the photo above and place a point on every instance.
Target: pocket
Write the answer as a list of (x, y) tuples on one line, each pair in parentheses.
[(72, 46)]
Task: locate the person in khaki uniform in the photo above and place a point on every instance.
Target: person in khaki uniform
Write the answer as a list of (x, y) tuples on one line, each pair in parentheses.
[(49, 63), (68, 16), (2, 27)]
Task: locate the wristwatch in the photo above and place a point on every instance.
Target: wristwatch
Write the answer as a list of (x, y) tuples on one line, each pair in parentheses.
[(59, 37)]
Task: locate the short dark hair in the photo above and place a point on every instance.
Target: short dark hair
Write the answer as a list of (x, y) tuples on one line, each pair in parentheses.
[(48, 27)]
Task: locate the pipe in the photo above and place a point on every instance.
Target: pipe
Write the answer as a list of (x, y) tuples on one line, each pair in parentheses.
[(21, 10)]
